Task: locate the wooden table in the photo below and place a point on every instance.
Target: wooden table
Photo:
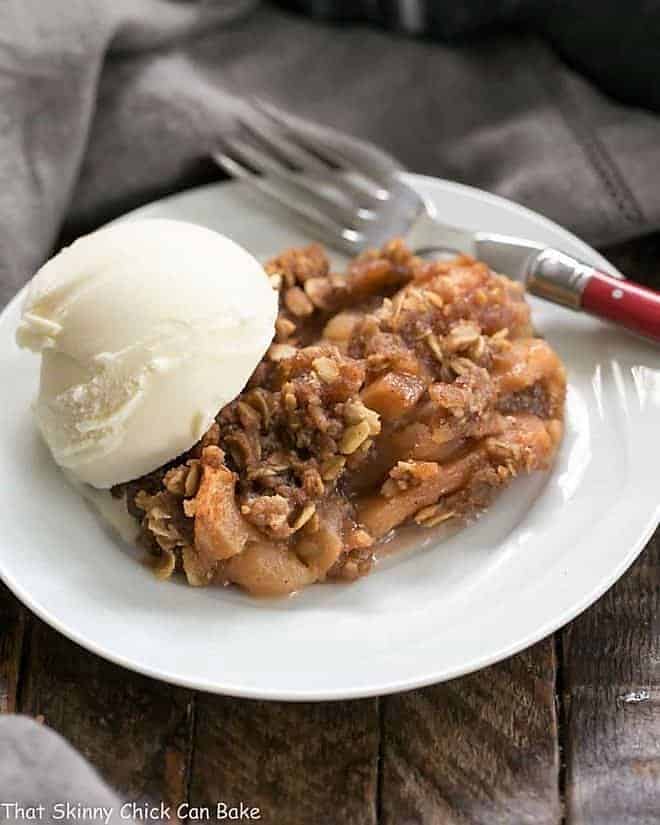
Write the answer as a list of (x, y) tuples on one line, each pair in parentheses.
[(566, 732)]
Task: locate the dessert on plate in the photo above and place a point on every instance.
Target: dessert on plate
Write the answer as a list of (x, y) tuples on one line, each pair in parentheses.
[(271, 427), (145, 329)]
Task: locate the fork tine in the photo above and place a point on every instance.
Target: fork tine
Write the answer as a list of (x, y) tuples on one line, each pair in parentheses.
[(288, 151), (348, 240), (323, 199), (371, 179), (314, 170), (365, 193)]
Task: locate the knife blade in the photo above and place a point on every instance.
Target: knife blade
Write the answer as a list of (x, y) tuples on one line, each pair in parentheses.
[(505, 254)]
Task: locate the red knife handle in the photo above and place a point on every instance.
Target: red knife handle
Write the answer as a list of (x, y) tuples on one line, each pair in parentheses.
[(624, 302), (562, 279)]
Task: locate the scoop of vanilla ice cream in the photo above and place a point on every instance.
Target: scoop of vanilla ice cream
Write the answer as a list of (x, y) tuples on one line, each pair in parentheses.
[(146, 329)]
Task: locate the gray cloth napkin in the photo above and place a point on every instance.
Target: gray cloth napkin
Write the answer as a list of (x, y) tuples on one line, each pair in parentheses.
[(43, 780), (109, 103)]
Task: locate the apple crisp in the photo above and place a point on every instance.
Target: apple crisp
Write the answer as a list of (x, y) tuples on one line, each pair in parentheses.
[(401, 392)]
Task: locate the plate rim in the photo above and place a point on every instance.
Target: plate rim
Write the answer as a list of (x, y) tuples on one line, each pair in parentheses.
[(428, 676)]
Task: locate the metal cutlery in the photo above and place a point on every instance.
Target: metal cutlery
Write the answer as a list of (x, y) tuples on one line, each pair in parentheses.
[(355, 206)]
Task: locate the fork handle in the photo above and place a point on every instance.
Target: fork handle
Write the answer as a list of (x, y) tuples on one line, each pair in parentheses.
[(560, 278)]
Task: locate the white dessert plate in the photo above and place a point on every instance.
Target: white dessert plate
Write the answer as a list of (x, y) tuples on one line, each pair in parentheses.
[(548, 547)]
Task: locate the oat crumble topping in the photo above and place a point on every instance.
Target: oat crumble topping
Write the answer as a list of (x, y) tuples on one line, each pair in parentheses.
[(401, 392)]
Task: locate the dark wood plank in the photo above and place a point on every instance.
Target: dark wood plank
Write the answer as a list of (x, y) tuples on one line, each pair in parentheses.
[(136, 731), (301, 764), (12, 631), (478, 750), (612, 702)]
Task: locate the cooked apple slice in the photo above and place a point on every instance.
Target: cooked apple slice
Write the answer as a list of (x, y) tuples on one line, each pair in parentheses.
[(268, 569), (220, 529)]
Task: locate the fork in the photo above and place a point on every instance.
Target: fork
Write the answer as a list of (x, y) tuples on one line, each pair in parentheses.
[(354, 206)]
